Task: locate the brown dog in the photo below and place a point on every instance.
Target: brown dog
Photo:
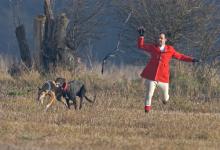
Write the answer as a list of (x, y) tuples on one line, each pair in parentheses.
[(49, 88)]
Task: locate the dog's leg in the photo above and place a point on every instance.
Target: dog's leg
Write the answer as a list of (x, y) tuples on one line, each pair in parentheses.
[(42, 98), (42, 101), (75, 103), (65, 103), (51, 102), (81, 101), (68, 103), (53, 98)]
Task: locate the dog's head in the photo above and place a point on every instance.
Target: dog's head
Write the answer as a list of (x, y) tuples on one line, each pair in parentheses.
[(60, 81)]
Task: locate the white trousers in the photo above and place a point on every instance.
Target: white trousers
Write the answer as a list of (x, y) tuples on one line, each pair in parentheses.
[(150, 88)]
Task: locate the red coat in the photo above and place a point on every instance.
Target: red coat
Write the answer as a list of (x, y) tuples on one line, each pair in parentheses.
[(158, 67)]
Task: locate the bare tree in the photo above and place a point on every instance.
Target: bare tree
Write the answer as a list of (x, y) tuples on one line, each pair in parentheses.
[(20, 33), (193, 25), (85, 21), (69, 31)]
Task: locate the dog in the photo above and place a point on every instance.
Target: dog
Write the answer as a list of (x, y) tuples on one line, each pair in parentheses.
[(72, 89), (51, 89)]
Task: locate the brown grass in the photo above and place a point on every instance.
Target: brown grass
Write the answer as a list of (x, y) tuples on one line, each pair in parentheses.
[(116, 120)]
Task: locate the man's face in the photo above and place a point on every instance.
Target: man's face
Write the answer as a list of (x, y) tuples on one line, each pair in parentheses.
[(162, 39)]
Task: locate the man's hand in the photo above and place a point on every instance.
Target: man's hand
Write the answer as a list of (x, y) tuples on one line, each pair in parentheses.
[(196, 60), (141, 30)]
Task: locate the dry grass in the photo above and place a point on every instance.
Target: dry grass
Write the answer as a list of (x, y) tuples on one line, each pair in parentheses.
[(115, 121)]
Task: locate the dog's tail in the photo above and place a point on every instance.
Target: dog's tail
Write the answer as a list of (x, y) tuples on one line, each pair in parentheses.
[(89, 100)]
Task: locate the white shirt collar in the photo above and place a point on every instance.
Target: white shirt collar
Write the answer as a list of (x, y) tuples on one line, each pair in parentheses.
[(162, 48)]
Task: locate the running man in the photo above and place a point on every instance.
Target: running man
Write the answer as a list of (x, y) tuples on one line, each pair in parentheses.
[(157, 71)]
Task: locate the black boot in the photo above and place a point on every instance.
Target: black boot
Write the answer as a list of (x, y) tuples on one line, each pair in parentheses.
[(165, 102)]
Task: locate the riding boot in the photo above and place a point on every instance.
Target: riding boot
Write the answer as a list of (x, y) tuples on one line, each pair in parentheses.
[(147, 109)]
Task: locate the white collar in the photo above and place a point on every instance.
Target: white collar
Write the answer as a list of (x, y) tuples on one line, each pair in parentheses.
[(162, 48)]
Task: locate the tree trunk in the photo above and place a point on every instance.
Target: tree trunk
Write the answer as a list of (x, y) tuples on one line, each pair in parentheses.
[(54, 42), (23, 46), (60, 31), (49, 55), (48, 9), (39, 25), (49, 24)]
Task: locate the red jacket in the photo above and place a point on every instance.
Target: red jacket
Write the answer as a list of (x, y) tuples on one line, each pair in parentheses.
[(158, 67)]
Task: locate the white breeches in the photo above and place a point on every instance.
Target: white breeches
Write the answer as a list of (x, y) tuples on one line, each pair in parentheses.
[(150, 88)]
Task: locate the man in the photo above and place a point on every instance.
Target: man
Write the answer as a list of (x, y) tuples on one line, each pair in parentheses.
[(157, 70)]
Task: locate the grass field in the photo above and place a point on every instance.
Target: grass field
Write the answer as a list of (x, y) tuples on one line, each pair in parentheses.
[(115, 121)]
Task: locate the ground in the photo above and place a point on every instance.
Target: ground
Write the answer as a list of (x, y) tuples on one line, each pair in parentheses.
[(115, 121)]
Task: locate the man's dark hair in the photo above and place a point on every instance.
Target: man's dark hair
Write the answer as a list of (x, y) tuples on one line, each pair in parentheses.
[(167, 34)]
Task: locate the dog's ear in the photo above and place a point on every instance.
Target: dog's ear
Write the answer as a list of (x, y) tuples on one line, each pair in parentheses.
[(39, 88), (56, 80), (60, 80)]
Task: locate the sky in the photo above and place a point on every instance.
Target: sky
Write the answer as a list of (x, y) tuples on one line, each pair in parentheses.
[(31, 8)]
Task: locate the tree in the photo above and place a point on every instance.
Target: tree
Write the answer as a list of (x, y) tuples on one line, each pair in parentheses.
[(21, 34), (67, 32), (193, 25), (85, 21)]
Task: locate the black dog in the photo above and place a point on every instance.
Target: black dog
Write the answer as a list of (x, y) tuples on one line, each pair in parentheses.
[(72, 89)]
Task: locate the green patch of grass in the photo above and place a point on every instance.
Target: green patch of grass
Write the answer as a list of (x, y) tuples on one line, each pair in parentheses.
[(16, 93)]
